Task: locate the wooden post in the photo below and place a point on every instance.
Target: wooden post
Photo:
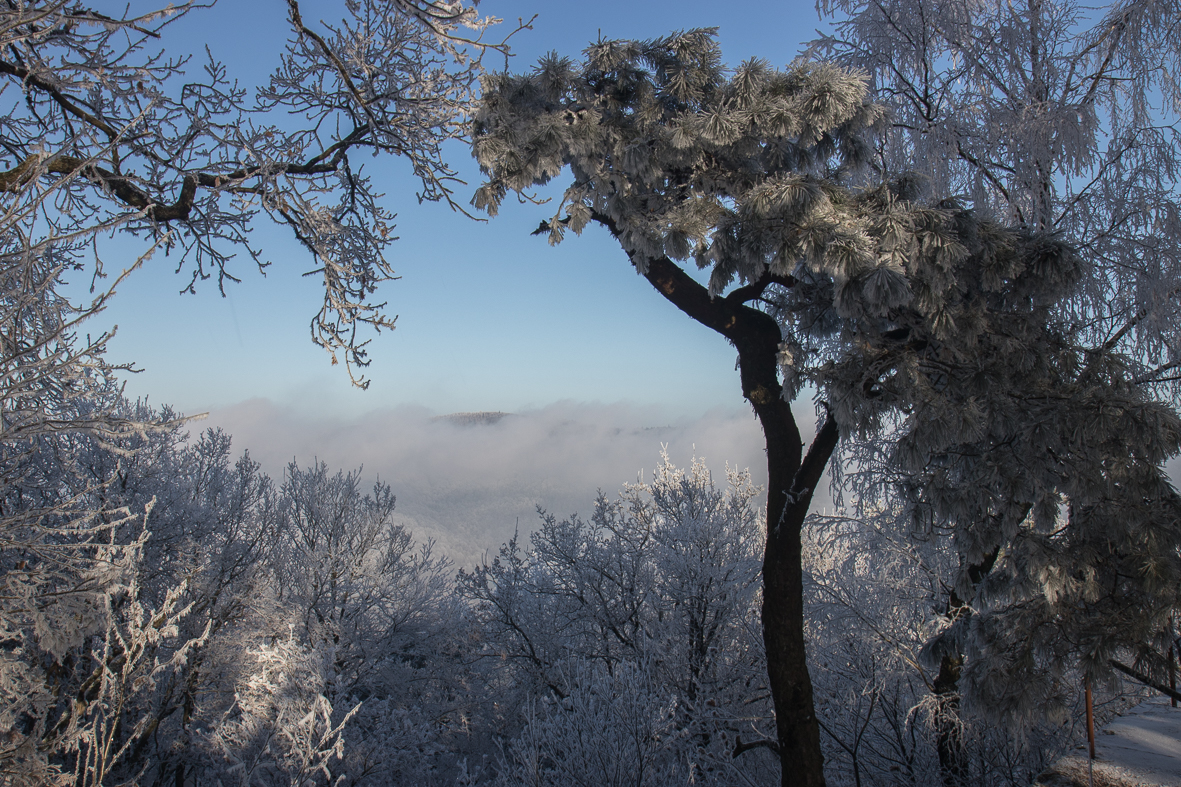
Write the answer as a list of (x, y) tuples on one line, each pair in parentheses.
[(1090, 735), (1172, 661)]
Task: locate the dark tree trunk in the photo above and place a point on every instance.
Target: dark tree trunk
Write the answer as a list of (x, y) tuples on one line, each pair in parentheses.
[(949, 728), (789, 493), (792, 477), (949, 735)]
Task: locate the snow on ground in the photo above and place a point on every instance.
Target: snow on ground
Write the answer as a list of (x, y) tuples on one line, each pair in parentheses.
[(1140, 748)]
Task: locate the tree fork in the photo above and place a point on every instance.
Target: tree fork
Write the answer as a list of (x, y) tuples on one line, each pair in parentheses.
[(789, 493)]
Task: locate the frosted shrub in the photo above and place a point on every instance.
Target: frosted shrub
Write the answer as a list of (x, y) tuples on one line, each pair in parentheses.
[(875, 601), (280, 729), (660, 582), (615, 729)]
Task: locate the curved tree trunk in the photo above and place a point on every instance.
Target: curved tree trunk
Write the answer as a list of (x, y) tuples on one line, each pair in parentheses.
[(792, 477)]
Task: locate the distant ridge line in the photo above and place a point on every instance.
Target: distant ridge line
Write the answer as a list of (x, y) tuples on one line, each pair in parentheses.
[(486, 418)]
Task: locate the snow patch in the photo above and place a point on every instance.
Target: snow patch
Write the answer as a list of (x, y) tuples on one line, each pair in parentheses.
[(1141, 748)]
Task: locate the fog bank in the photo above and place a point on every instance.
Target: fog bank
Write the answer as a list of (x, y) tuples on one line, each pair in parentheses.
[(468, 481)]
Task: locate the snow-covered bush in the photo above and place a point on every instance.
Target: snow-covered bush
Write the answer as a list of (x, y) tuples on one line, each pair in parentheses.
[(889, 711), (280, 728), (380, 608), (613, 728), (658, 586), (595, 632)]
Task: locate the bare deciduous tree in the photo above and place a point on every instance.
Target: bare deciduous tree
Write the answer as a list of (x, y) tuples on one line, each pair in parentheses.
[(130, 137), (102, 131)]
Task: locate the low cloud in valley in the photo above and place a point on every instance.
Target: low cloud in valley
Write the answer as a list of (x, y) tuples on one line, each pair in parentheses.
[(468, 481)]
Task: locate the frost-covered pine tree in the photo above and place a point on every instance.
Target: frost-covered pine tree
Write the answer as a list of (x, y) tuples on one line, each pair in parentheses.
[(872, 590), (881, 301), (1062, 117)]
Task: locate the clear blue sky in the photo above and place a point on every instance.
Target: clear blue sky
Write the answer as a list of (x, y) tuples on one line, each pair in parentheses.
[(489, 317)]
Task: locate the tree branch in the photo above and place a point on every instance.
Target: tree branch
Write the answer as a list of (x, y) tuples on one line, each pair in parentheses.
[(741, 748), (755, 290), (811, 469), (1147, 681), (733, 319), (132, 195)]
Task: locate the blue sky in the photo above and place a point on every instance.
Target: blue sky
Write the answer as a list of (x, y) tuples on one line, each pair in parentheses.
[(604, 371), (489, 317)]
